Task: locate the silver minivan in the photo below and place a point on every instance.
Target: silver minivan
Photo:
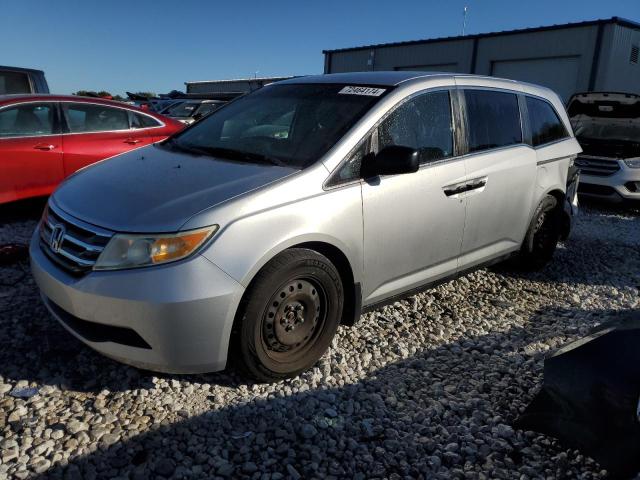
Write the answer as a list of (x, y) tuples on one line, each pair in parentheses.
[(252, 235)]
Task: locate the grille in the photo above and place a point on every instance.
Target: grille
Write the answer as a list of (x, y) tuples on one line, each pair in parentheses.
[(72, 244), (593, 189), (596, 166)]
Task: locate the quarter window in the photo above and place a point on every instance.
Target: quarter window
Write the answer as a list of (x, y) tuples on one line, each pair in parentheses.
[(350, 170), (84, 118), (423, 123), (493, 119), (546, 126), (144, 121), (28, 120)]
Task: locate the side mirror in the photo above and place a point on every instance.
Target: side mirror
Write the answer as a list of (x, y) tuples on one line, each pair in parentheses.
[(393, 160), (197, 116)]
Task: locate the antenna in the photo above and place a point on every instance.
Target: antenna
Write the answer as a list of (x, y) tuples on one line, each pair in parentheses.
[(464, 19)]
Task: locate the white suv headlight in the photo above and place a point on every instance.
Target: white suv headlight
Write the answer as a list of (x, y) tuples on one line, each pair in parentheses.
[(131, 251), (632, 162)]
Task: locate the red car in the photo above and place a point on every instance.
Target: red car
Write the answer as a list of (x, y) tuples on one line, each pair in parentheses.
[(45, 138)]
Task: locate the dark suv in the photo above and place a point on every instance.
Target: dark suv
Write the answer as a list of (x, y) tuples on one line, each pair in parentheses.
[(22, 80)]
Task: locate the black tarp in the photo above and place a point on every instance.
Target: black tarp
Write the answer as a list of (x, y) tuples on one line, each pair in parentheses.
[(589, 399)]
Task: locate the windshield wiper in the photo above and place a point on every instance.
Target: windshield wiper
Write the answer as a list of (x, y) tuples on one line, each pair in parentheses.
[(233, 154), (173, 144), (229, 153)]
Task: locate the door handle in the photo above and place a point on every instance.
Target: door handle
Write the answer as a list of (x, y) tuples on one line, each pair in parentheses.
[(475, 184), (132, 141), (450, 191), (44, 146)]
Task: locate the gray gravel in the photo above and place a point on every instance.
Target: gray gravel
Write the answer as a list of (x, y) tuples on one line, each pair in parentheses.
[(425, 388)]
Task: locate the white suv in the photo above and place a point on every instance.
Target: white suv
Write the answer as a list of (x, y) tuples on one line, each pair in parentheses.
[(607, 125)]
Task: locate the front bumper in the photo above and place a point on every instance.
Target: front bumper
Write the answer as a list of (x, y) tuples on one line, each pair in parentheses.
[(614, 188), (175, 318)]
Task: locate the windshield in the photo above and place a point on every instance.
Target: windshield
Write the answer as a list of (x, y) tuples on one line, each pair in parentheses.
[(606, 120), (183, 110), (292, 125)]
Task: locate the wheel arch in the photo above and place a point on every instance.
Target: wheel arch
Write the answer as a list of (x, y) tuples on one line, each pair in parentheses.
[(337, 256), (558, 194), (564, 218), (352, 291)]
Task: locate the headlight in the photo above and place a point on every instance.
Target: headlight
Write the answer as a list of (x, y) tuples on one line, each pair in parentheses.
[(131, 251), (633, 162)]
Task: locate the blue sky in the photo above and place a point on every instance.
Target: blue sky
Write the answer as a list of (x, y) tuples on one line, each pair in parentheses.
[(157, 45)]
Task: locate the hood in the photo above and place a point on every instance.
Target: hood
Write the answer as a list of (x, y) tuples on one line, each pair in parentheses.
[(608, 137), (154, 189), (609, 148)]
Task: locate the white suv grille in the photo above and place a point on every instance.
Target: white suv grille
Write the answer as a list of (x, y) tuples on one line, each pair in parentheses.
[(597, 166)]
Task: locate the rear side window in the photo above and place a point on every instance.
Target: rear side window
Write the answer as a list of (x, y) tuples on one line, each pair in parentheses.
[(546, 126), (28, 120), (85, 117), (14, 82), (144, 121), (424, 123), (493, 119)]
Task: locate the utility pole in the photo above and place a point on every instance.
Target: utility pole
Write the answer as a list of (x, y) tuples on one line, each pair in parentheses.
[(464, 20)]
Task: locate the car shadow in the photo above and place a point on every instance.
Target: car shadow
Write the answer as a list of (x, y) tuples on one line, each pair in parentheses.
[(627, 208), (448, 407), (613, 260), (36, 348), (21, 210)]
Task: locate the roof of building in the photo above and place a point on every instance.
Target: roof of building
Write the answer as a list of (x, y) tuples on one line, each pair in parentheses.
[(613, 20)]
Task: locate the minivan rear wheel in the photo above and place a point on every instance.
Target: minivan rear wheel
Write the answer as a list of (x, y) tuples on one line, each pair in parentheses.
[(542, 237), (288, 316)]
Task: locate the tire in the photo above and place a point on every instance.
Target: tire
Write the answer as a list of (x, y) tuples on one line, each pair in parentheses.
[(542, 236), (288, 316)]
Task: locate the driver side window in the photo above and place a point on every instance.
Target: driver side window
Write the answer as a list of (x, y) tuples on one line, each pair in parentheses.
[(424, 123)]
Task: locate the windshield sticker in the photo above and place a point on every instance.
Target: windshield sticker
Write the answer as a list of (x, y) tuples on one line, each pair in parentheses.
[(368, 91)]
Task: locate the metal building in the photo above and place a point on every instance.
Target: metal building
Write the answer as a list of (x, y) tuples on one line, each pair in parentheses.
[(237, 86), (599, 55)]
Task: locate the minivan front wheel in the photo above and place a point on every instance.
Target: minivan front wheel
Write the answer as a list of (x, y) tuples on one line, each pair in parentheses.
[(542, 236), (288, 316)]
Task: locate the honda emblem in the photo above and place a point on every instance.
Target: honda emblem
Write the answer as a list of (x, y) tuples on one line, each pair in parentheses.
[(57, 235)]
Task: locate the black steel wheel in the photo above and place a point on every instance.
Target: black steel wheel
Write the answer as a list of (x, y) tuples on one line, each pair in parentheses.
[(288, 315)]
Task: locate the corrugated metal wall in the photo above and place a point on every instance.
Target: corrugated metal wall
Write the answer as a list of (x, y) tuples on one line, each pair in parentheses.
[(561, 59), (617, 73), (558, 59), (351, 61), (452, 56)]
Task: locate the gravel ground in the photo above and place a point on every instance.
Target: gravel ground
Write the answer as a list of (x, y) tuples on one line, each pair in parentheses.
[(425, 388)]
